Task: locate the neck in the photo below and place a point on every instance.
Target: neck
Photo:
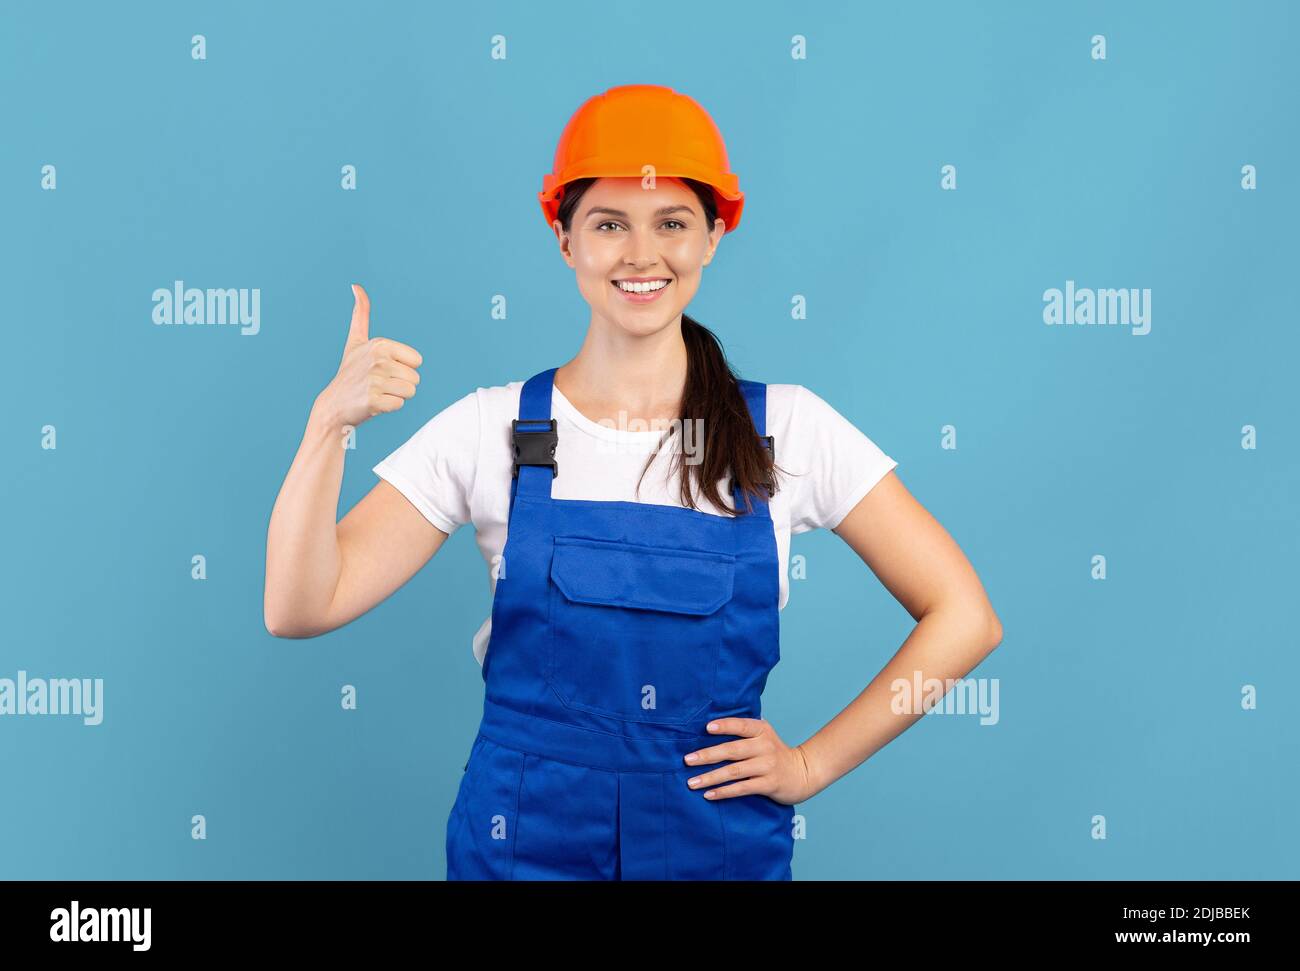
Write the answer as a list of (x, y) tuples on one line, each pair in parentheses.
[(642, 375)]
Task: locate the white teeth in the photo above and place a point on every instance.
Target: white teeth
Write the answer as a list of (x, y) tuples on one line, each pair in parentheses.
[(642, 287)]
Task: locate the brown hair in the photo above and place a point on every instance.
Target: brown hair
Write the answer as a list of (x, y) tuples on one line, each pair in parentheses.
[(731, 444)]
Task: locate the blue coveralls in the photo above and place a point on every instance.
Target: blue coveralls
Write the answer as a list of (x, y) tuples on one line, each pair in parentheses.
[(619, 629)]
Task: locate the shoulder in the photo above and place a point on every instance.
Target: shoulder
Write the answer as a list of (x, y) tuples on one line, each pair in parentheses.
[(781, 399), (798, 405), (484, 403), (499, 399), (831, 461), (810, 424), (487, 407), (498, 404), (785, 408)]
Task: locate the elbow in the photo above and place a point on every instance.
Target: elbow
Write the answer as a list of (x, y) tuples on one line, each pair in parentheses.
[(286, 628), (279, 626), (994, 630), (273, 625), (283, 620), (271, 619), (975, 623), (285, 631)]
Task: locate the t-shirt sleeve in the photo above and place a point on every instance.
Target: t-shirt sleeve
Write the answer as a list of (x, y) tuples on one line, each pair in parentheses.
[(839, 463), (435, 467)]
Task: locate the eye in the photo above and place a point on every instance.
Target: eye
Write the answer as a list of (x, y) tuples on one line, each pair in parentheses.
[(668, 222)]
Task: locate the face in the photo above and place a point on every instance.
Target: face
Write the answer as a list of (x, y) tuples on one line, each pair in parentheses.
[(623, 232)]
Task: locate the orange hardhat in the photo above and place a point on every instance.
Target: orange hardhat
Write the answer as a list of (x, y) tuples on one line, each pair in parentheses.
[(629, 127)]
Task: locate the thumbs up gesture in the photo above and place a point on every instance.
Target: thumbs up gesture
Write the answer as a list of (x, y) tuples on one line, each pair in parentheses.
[(377, 374)]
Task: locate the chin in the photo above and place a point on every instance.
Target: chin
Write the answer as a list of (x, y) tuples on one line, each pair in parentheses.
[(644, 326)]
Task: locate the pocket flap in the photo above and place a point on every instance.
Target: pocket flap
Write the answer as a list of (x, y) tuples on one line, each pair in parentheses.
[(612, 574)]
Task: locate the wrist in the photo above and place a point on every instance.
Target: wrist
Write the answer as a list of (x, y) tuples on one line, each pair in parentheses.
[(325, 416), (812, 778), (325, 421)]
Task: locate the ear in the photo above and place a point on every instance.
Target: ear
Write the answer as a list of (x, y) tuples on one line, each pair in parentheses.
[(562, 238), (715, 237)]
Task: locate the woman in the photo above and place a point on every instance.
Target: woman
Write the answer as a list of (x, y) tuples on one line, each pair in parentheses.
[(634, 618)]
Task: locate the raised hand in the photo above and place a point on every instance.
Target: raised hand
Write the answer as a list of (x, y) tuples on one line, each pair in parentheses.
[(377, 374)]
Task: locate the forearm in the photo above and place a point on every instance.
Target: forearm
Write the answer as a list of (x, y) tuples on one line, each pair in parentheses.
[(302, 549), (947, 642)]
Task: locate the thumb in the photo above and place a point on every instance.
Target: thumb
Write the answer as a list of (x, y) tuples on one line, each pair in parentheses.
[(359, 331)]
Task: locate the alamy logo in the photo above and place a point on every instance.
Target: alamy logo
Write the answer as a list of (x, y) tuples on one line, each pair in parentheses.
[(675, 435), (57, 696), (1132, 307), (104, 924), (948, 696), (181, 305)]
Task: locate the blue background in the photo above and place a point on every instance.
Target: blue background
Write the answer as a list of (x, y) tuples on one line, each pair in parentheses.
[(1118, 697)]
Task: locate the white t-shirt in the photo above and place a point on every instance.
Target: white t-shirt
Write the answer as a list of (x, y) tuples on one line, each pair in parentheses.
[(456, 468)]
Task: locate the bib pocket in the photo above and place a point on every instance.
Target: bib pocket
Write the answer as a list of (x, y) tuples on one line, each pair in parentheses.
[(636, 630)]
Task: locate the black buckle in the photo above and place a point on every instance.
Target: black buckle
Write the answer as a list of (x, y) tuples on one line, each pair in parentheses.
[(534, 448), (769, 443)]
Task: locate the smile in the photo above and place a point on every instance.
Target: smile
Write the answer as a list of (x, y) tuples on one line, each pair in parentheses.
[(640, 292)]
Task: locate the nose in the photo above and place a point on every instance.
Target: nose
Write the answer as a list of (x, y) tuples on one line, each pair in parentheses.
[(641, 249)]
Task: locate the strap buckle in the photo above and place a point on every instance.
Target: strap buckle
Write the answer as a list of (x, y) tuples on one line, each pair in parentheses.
[(769, 443), (534, 447)]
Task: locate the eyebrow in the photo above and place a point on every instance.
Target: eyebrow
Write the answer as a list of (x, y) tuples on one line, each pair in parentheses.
[(666, 210)]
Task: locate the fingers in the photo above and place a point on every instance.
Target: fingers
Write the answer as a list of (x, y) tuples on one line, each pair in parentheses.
[(749, 755), (392, 383), (747, 728), (744, 788), (387, 367), (737, 726), (383, 403), (398, 387), (396, 369), (752, 774), (359, 329), (742, 748), (359, 332), (402, 353)]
